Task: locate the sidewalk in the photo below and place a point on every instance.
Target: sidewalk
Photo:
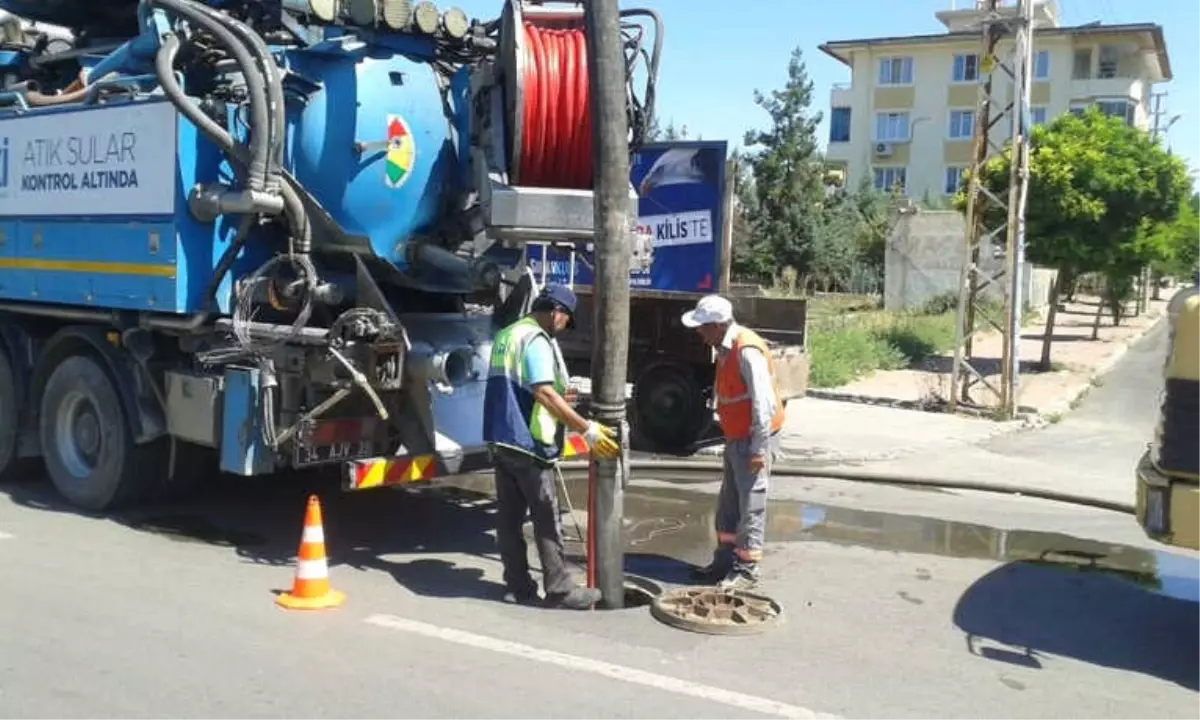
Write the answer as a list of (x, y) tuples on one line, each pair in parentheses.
[(1075, 360)]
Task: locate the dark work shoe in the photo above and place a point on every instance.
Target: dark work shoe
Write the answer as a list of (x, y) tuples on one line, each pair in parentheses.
[(530, 597), (723, 561), (710, 574), (580, 598)]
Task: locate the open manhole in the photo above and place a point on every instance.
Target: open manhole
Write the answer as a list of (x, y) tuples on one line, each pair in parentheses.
[(640, 591), (716, 611)]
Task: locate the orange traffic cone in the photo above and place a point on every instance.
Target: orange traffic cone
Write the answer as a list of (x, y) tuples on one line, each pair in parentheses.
[(310, 590)]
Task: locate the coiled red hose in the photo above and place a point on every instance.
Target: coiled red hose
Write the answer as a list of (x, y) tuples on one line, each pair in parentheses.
[(556, 119)]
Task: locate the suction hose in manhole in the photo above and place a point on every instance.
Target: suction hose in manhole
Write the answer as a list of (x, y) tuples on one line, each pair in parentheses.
[(716, 611)]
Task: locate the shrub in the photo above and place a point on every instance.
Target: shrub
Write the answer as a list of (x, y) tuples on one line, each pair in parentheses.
[(844, 351)]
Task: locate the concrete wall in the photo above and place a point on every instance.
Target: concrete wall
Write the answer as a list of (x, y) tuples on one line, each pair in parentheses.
[(924, 259)]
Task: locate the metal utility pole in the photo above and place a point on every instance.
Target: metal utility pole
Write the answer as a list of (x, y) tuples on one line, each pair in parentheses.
[(983, 228), (728, 208), (1145, 277), (610, 348)]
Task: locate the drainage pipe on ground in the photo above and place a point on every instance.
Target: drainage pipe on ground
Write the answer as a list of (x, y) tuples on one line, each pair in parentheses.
[(877, 478)]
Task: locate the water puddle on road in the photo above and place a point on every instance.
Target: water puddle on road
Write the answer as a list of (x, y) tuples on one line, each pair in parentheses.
[(668, 528)]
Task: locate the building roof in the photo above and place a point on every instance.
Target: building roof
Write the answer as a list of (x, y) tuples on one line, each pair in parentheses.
[(835, 49)]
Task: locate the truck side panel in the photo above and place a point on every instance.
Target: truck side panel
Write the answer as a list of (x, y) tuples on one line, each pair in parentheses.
[(94, 209)]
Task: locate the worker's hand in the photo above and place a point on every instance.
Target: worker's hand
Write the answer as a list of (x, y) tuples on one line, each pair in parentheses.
[(601, 440), (758, 462)]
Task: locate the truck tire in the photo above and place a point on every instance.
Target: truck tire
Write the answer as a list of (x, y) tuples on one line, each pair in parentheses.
[(88, 448), (11, 466), (670, 407)]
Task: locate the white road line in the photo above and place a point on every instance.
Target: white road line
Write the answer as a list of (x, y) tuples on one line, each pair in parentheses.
[(6, 536), (616, 672)]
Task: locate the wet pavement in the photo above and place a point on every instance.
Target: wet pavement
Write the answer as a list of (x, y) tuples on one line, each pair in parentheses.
[(888, 611), (668, 531)]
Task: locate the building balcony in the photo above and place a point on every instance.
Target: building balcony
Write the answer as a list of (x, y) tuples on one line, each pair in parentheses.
[(1122, 87), (840, 152), (841, 95)]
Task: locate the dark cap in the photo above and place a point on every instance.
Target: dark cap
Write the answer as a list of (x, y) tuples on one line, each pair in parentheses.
[(561, 296)]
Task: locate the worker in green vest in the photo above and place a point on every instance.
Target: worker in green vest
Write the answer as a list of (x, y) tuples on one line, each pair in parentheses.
[(524, 423)]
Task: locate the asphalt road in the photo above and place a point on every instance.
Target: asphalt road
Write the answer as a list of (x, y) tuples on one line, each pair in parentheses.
[(1112, 423), (898, 603)]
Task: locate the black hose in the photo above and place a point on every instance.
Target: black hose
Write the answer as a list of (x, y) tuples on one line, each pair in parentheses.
[(652, 70), (254, 42), (259, 111), (879, 478), (208, 297), (292, 204), (164, 67)]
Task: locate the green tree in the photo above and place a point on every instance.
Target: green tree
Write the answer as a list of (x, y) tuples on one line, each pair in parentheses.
[(751, 258), (654, 129), (1181, 238), (875, 213), (850, 235), (787, 169), (1094, 184), (671, 133)]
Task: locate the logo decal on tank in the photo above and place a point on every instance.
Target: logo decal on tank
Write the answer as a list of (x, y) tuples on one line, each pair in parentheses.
[(401, 151)]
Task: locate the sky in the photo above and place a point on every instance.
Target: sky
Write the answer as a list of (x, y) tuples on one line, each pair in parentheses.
[(716, 53)]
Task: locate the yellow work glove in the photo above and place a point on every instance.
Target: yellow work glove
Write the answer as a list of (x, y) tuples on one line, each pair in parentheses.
[(601, 440)]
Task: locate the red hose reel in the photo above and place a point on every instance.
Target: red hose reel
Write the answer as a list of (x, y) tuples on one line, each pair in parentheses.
[(549, 99), (556, 116)]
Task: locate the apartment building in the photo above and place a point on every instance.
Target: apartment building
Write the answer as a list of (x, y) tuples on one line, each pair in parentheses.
[(906, 119)]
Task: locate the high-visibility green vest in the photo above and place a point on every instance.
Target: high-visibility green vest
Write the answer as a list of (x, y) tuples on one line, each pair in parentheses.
[(512, 417)]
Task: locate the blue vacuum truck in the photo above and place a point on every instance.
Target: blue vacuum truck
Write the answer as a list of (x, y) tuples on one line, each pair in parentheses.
[(254, 235)]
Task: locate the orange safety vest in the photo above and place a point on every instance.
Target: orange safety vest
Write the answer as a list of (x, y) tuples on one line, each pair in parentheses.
[(733, 397)]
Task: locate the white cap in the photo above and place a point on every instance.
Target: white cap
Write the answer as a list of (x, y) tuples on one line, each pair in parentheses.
[(712, 309)]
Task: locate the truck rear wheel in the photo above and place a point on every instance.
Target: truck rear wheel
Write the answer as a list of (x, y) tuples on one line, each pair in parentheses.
[(670, 407), (88, 448), (10, 414)]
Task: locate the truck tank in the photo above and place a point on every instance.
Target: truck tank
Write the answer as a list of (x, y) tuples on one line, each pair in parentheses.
[(305, 215)]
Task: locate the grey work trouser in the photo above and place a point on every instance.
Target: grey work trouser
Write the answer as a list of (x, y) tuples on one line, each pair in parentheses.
[(526, 487), (742, 504)]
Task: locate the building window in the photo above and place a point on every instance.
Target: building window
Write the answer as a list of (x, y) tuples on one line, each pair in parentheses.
[(895, 71), (839, 125), (1121, 108), (1077, 109), (1037, 115), (966, 68), (891, 179), (1106, 68), (1081, 68), (962, 124), (1041, 65), (891, 126), (953, 179)]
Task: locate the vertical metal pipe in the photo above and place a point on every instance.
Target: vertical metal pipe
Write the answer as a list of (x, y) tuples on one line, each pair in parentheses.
[(1017, 202), (610, 348)]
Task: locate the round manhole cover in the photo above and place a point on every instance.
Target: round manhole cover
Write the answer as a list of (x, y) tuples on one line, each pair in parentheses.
[(716, 611)]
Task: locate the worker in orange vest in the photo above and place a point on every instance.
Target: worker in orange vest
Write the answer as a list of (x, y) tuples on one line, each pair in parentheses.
[(751, 415)]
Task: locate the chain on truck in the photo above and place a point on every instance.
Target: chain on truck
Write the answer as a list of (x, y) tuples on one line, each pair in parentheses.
[(268, 234)]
